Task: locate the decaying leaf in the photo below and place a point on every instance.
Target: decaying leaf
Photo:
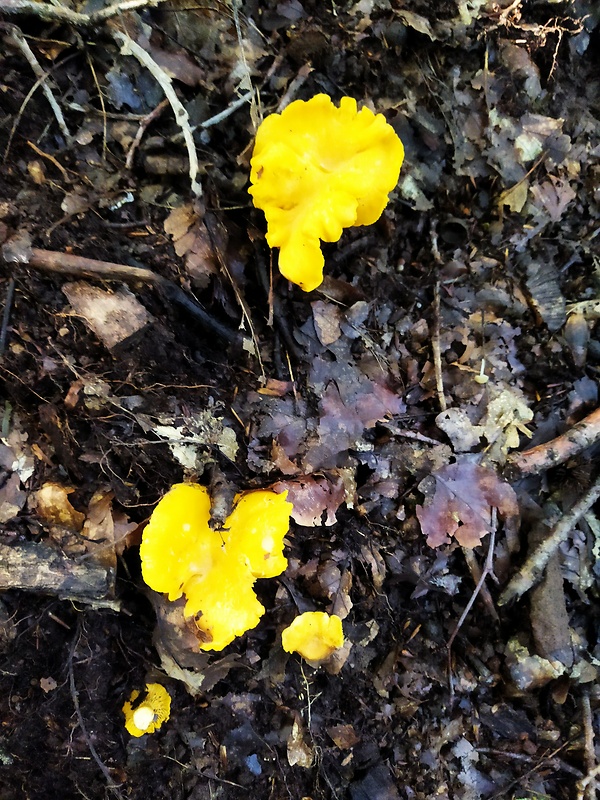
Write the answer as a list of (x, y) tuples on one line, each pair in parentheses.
[(187, 225), (327, 319), (15, 452), (343, 736), (107, 531), (192, 440), (114, 316), (315, 500), (515, 197), (554, 195), (530, 672), (176, 641), (54, 507), (419, 23), (336, 583), (458, 502), (299, 752), (545, 295), (12, 498), (506, 418)]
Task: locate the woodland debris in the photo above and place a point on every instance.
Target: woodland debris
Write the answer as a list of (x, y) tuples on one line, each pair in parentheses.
[(69, 264), (537, 561), (548, 610), (36, 567), (538, 459), (116, 317)]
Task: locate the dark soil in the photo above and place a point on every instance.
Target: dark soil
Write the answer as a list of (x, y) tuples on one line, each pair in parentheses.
[(487, 99)]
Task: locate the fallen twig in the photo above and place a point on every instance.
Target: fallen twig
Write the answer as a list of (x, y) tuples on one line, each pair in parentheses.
[(19, 41), (437, 353), (487, 570), (38, 568), (131, 48), (588, 782), (536, 562), (111, 785), (60, 13), (10, 293), (233, 106), (582, 435), (68, 264), (586, 787), (144, 123), (549, 760)]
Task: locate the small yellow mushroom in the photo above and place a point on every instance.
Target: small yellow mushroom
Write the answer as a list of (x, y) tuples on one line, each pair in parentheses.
[(147, 715), (315, 635)]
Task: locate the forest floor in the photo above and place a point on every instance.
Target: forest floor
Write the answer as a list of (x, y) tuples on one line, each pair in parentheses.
[(397, 403)]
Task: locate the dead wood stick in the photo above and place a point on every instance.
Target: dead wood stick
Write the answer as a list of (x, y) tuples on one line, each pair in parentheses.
[(16, 36), (10, 293), (69, 264), (536, 562), (36, 567), (589, 782), (110, 784), (550, 760), (144, 123), (60, 13), (487, 570), (435, 347), (583, 434), (588, 792), (129, 47)]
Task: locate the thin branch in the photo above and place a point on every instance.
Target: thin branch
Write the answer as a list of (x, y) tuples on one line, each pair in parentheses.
[(69, 264), (586, 787), (60, 13), (233, 106), (144, 123), (10, 293), (537, 459), (487, 570), (19, 41), (75, 698), (437, 353), (536, 562), (131, 48), (549, 760)]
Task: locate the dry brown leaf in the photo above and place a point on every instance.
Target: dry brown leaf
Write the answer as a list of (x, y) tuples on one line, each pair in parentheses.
[(12, 498), (299, 753), (343, 736), (54, 508), (187, 225), (313, 498), (418, 23), (458, 502), (327, 319), (176, 641), (515, 197), (554, 195)]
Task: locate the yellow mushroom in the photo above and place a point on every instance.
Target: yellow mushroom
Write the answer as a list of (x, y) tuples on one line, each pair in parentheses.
[(215, 569), (317, 169), (315, 635), (148, 715)]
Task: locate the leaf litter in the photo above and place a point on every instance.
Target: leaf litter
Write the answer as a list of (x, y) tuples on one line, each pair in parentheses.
[(498, 202)]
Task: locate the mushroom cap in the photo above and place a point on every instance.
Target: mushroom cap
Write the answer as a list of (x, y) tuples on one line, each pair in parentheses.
[(177, 542), (317, 169), (215, 569), (314, 635), (149, 715)]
